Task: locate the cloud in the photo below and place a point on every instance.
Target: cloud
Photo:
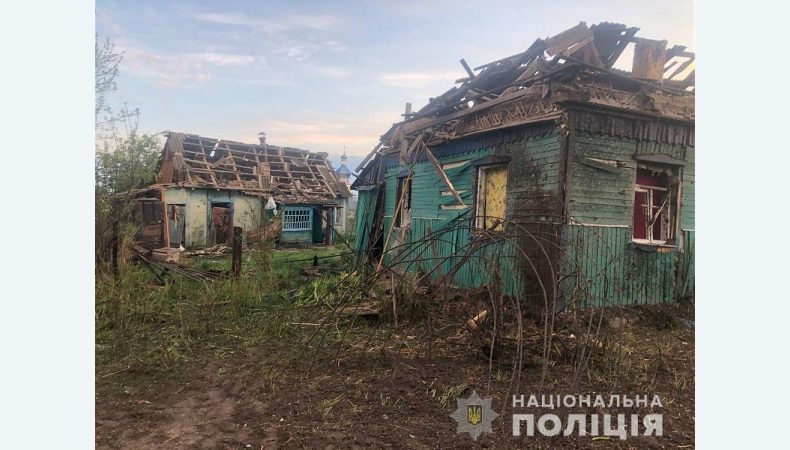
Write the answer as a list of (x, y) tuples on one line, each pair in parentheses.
[(331, 71), (290, 22), (418, 79), (303, 50), (297, 37), (314, 22), (174, 70), (357, 134), (223, 59), (103, 20)]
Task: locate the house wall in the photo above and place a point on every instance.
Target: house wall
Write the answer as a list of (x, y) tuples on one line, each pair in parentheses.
[(364, 232), (438, 240), (246, 211), (573, 221), (602, 265), (340, 223)]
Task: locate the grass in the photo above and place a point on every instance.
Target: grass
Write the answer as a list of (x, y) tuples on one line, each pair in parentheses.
[(145, 326)]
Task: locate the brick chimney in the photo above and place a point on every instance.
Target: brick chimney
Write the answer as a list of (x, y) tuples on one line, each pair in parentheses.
[(262, 137), (650, 56)]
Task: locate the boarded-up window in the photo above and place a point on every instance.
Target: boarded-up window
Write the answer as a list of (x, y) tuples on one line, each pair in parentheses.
[(654, 208), (491, 191), (297, 219)]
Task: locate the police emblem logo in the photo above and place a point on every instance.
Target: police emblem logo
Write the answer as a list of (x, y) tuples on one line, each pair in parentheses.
[(474, 414)]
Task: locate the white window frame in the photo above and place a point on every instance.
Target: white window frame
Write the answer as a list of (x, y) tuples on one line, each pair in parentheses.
[(297, 218), (648, 191)]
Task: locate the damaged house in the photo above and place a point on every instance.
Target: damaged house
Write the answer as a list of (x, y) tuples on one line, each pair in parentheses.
[(208, 186), (550, 174)]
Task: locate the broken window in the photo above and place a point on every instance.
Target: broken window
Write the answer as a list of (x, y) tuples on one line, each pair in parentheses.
[(490, 197), (298, 219), (655, 208), (152, 212), (403, 215)]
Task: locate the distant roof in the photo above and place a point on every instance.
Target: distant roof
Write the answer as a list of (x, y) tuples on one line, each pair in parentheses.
[(289, 175), (343, 170)]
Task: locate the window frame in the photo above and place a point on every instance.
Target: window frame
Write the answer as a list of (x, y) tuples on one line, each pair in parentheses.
[(482, 165), (304, 217), (670, 205)]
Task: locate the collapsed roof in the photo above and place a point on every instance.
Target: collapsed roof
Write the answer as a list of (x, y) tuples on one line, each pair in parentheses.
[(289, 175), (576, 65)]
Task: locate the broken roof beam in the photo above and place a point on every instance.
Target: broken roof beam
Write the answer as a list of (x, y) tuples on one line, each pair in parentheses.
[(626, 39), (539, 43), (367, 158), (232, 161), (205, 161), (683, 66), (467, 69), (442, 173), (561, 43)]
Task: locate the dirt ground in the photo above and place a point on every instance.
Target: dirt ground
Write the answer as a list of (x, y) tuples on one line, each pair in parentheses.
[(277, 395)]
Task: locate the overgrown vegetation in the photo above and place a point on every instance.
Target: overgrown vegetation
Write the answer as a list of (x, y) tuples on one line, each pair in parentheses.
[(144, 325), (124, 159)]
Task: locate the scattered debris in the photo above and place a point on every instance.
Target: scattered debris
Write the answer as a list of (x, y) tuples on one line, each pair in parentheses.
[(216, 250), (361, 310), (162, 268), (167, 255)]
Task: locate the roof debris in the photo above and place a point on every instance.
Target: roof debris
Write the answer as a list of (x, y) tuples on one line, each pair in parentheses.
[(574, 66), (290, 175)]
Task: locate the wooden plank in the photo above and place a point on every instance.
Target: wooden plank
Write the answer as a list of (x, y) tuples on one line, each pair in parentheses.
[(367, 158), (442, 174), (232, 161), (467, 69)]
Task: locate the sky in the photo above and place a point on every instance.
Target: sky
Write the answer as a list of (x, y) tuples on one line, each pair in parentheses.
[(329, 75)]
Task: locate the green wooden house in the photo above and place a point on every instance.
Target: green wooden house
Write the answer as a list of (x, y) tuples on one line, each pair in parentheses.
[(548, 174)]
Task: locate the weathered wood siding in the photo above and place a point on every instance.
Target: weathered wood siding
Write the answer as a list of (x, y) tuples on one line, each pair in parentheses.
[(363, 226), (438, 239), (589, 175), (602, 264), (603, 269), (597, 196)]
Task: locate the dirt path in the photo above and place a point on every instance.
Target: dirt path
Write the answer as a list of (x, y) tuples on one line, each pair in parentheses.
[(379, 400)]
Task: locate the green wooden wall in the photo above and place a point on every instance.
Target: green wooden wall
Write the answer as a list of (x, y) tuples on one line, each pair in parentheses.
[(438, 241), (603, 266)]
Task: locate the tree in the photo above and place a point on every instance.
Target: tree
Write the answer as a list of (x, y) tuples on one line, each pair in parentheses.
[(106, 64), (125, 160)]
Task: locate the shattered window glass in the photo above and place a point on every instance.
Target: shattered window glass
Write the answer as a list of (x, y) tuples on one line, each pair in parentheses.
[(654, 212)]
